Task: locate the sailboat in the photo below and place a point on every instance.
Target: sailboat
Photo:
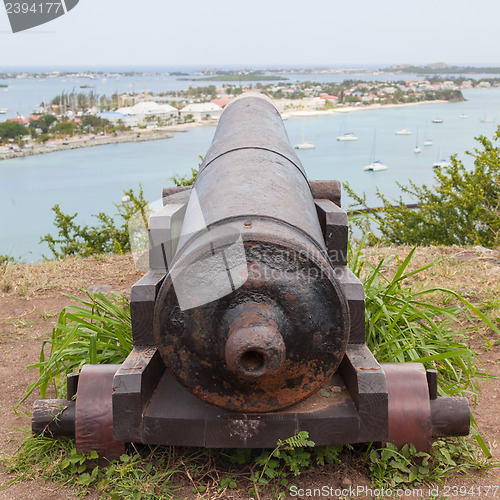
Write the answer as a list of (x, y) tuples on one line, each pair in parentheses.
[(427, 142), (304, 144), (348, 136), (441, 163), (417, 149), (374, 166)]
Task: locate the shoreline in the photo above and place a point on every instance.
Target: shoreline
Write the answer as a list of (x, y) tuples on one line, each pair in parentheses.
[(165, 132), (355, 109)]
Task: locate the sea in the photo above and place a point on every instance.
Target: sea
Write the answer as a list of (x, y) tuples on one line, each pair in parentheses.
[(92, 180)]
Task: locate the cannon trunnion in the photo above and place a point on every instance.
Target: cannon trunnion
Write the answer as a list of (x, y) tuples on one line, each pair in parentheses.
[(249, 326)]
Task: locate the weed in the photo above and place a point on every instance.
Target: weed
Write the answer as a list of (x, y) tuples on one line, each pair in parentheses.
[(47, 314), (132, 477), (402, 325), (99, 330), (390, 467)]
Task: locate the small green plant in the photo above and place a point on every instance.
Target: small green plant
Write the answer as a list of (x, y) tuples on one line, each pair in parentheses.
[(393, 468), (6, 259), (96, 331), (186, 180), (293, 455)]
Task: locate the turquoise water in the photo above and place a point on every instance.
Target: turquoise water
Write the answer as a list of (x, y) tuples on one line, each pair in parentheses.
[(88, 181)]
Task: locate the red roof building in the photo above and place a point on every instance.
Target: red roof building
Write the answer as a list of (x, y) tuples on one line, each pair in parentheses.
[(222, 101)]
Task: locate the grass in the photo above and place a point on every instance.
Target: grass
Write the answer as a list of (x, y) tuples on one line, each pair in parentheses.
[(407, 320), (406, 325), (97, 331)]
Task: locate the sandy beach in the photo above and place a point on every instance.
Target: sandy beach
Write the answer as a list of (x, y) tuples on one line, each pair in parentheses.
[(353, 109)]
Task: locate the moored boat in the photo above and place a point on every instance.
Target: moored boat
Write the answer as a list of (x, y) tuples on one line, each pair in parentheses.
[(348, 136), (375, 166), (304, 145)]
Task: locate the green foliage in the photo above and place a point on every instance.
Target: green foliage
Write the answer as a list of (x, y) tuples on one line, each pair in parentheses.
[(293, 455), (462, 208), (186, 180), (402, 326), (104, 238), (12, 130), (97, 331), (65, 128), (43, 123), (393, 468), (132, 477), (6, 259), (96, 122)]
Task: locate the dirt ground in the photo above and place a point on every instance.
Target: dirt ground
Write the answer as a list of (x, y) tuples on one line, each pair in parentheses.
[(31, 298)]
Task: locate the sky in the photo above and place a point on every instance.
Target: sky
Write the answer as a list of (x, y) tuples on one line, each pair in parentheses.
[(140, 33)]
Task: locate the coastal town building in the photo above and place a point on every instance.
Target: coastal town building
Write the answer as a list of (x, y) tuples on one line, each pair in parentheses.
[(201, 111), (119, 118), (148, 112)]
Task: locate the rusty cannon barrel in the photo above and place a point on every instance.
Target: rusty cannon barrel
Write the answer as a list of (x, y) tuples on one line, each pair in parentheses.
[(251, 316)]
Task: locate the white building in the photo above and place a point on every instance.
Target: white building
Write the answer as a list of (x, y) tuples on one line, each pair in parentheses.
[(201, 111), (147, 112), (119, 118)]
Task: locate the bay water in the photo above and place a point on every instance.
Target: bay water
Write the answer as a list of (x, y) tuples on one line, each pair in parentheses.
[(88, 181)]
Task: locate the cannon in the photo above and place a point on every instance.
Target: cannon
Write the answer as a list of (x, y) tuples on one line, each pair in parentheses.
[(249, 325)]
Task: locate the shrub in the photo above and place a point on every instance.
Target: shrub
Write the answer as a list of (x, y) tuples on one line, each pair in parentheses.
[(106, 237), (462, 208)]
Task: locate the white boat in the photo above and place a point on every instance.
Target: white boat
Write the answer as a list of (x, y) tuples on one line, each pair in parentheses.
[(403, 131), (305, 145), (348, 136), (441, 164), (437, 120), (487, 119), (428, 142), (3, 111), (463, 115), (376, 166)]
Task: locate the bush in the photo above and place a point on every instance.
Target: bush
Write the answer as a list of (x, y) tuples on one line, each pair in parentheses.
[(462, 208), (12, 130), (104, 238)]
